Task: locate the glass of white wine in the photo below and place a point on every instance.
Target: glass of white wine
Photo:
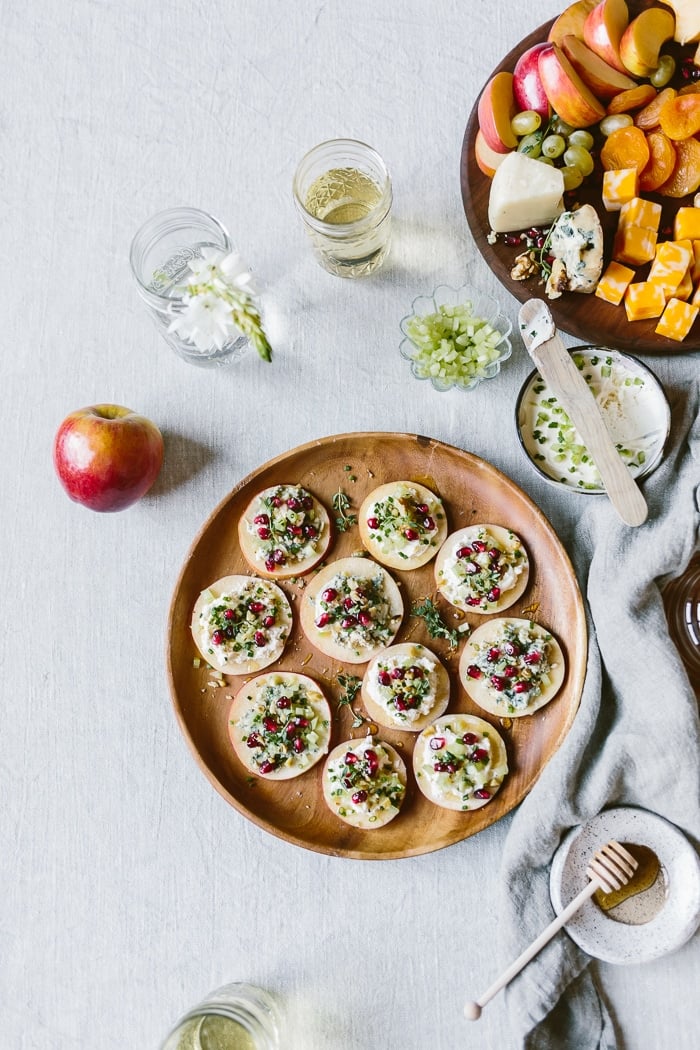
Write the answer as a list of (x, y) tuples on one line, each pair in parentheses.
[(342, 191), (238, 1016)]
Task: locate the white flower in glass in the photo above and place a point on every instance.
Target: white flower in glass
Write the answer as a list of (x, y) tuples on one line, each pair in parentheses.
[(218, 304)]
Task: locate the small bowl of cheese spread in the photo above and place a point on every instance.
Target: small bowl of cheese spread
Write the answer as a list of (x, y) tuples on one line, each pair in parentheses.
[(633, 405)]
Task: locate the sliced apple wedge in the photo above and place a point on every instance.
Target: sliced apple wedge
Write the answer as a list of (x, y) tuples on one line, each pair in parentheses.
[(568, 95), (687, 14), (603, 30), (604, 81), (643, 39), (527, 85), (570, 21), (495, 110), (487, 158)]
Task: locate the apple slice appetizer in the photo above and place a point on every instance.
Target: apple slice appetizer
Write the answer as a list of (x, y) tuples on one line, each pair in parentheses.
[(402, 524), (364, 783), (405, 687), (482, 569), (352, 610), (241, 624), (284, 531), (460, 762), (279, 725), (512, 667)]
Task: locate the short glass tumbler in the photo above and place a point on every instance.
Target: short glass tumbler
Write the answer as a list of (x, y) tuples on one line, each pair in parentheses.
[(238, 1016), (342, 191), (159, 257)]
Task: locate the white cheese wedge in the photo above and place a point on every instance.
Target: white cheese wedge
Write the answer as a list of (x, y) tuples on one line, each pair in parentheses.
[(576, 243), (524, 192)]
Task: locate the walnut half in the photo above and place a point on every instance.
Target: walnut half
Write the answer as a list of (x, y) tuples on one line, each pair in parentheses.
[(526, 265)]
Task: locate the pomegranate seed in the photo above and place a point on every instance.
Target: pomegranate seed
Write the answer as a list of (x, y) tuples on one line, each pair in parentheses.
[(228, 631), (384, 678), (310, 531), (511, 649), (494, 594), (270, 564), (463, 552), (261, 519), (293, 503), (372, 763), (279, 557), (473, 671), (372, 523), (307, 502), (360, 593), (284, 702), (323, 620), (269, 621), (229, 614), (471, 568), (473, 601), (364, 618), (413, 701), (532, 658), (348, 603), (400, 704), (350, 758), (298, 745), (437, 743), (347, 782), (301, 722), (218, 637), (260, 638), (264, 532), (479, 546), (481, 754), (410, 534), (521, 686), (256, 607), (330, 594), (510, 671), (498, 682), (440, 767), (348, 621), (494, 654), (253, 741), (359, 796), (276, 501), (482, 793), (271, 724), (428, 523), (494, 554), (469, 738), (423, 508), (415, 672), (294, 530), (267, 767), (512, 239), (398, 673)]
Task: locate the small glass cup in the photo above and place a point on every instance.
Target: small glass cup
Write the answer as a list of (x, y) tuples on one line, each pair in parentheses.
[(682, 604), (238, 1016), (342, 191), (159, 257)]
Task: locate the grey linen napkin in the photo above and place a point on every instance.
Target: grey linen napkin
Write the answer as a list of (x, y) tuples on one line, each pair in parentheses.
[(610, 755)]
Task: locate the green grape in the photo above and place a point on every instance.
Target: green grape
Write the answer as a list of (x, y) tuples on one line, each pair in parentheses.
[(553, 146), (578, 157), (664, 71), (580, 137), (525, 123), (545, 160), (560, 127), (615, 121), (572, 177), (531, 145)]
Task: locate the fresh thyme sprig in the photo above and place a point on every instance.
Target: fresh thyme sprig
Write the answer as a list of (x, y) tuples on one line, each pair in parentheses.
[(436, 626), (341, 505), (351, 684)]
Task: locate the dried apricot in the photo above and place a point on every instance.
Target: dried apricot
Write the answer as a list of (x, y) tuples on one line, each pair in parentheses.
[(686, 172), (625, 148), (633, 98), (662, 161), (648, 117), (680, 117)]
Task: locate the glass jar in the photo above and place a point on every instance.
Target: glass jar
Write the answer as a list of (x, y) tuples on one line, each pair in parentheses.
[(238, 1016), (159, 257), (682, 604), (342, 191)]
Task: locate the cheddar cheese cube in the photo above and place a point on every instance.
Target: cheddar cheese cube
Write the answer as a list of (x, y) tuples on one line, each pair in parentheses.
[(670, 265), (687, 224), (619, 187), (644, 300), (634, 245), (677, 320), (685, 288), (695, 299), (613, 284), (640, 212), (695, 262)]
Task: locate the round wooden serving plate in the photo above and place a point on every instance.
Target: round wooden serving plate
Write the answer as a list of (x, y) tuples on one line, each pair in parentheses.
[(473, 492), (583, 316)]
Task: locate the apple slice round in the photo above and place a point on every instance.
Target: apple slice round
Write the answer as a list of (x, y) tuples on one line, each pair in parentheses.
[(569, 96)]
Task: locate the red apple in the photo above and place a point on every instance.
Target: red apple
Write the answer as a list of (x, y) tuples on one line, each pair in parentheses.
[(527, 85), (106, 456), (603, 29), (569, 96)]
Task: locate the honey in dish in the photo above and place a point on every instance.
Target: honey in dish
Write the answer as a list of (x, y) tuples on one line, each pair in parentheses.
[(644, 895)]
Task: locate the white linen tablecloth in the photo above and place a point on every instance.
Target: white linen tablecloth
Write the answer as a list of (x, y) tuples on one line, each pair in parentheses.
[(129, 887)]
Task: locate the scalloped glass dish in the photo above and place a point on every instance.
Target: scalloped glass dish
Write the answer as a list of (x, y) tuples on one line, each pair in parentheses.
[(486, 364)]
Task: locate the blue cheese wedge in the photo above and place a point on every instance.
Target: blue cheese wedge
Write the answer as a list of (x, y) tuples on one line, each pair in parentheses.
[(524, 192), (576, 244)]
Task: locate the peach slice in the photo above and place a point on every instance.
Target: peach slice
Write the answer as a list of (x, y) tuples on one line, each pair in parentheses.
[(527, 85), (570, 21), (643, 38), (495, 110), (568, 95), (486, 158), (603, 30), (604, 81)]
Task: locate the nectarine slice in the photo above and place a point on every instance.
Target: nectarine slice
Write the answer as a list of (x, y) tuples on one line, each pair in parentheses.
[(569, 97)]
